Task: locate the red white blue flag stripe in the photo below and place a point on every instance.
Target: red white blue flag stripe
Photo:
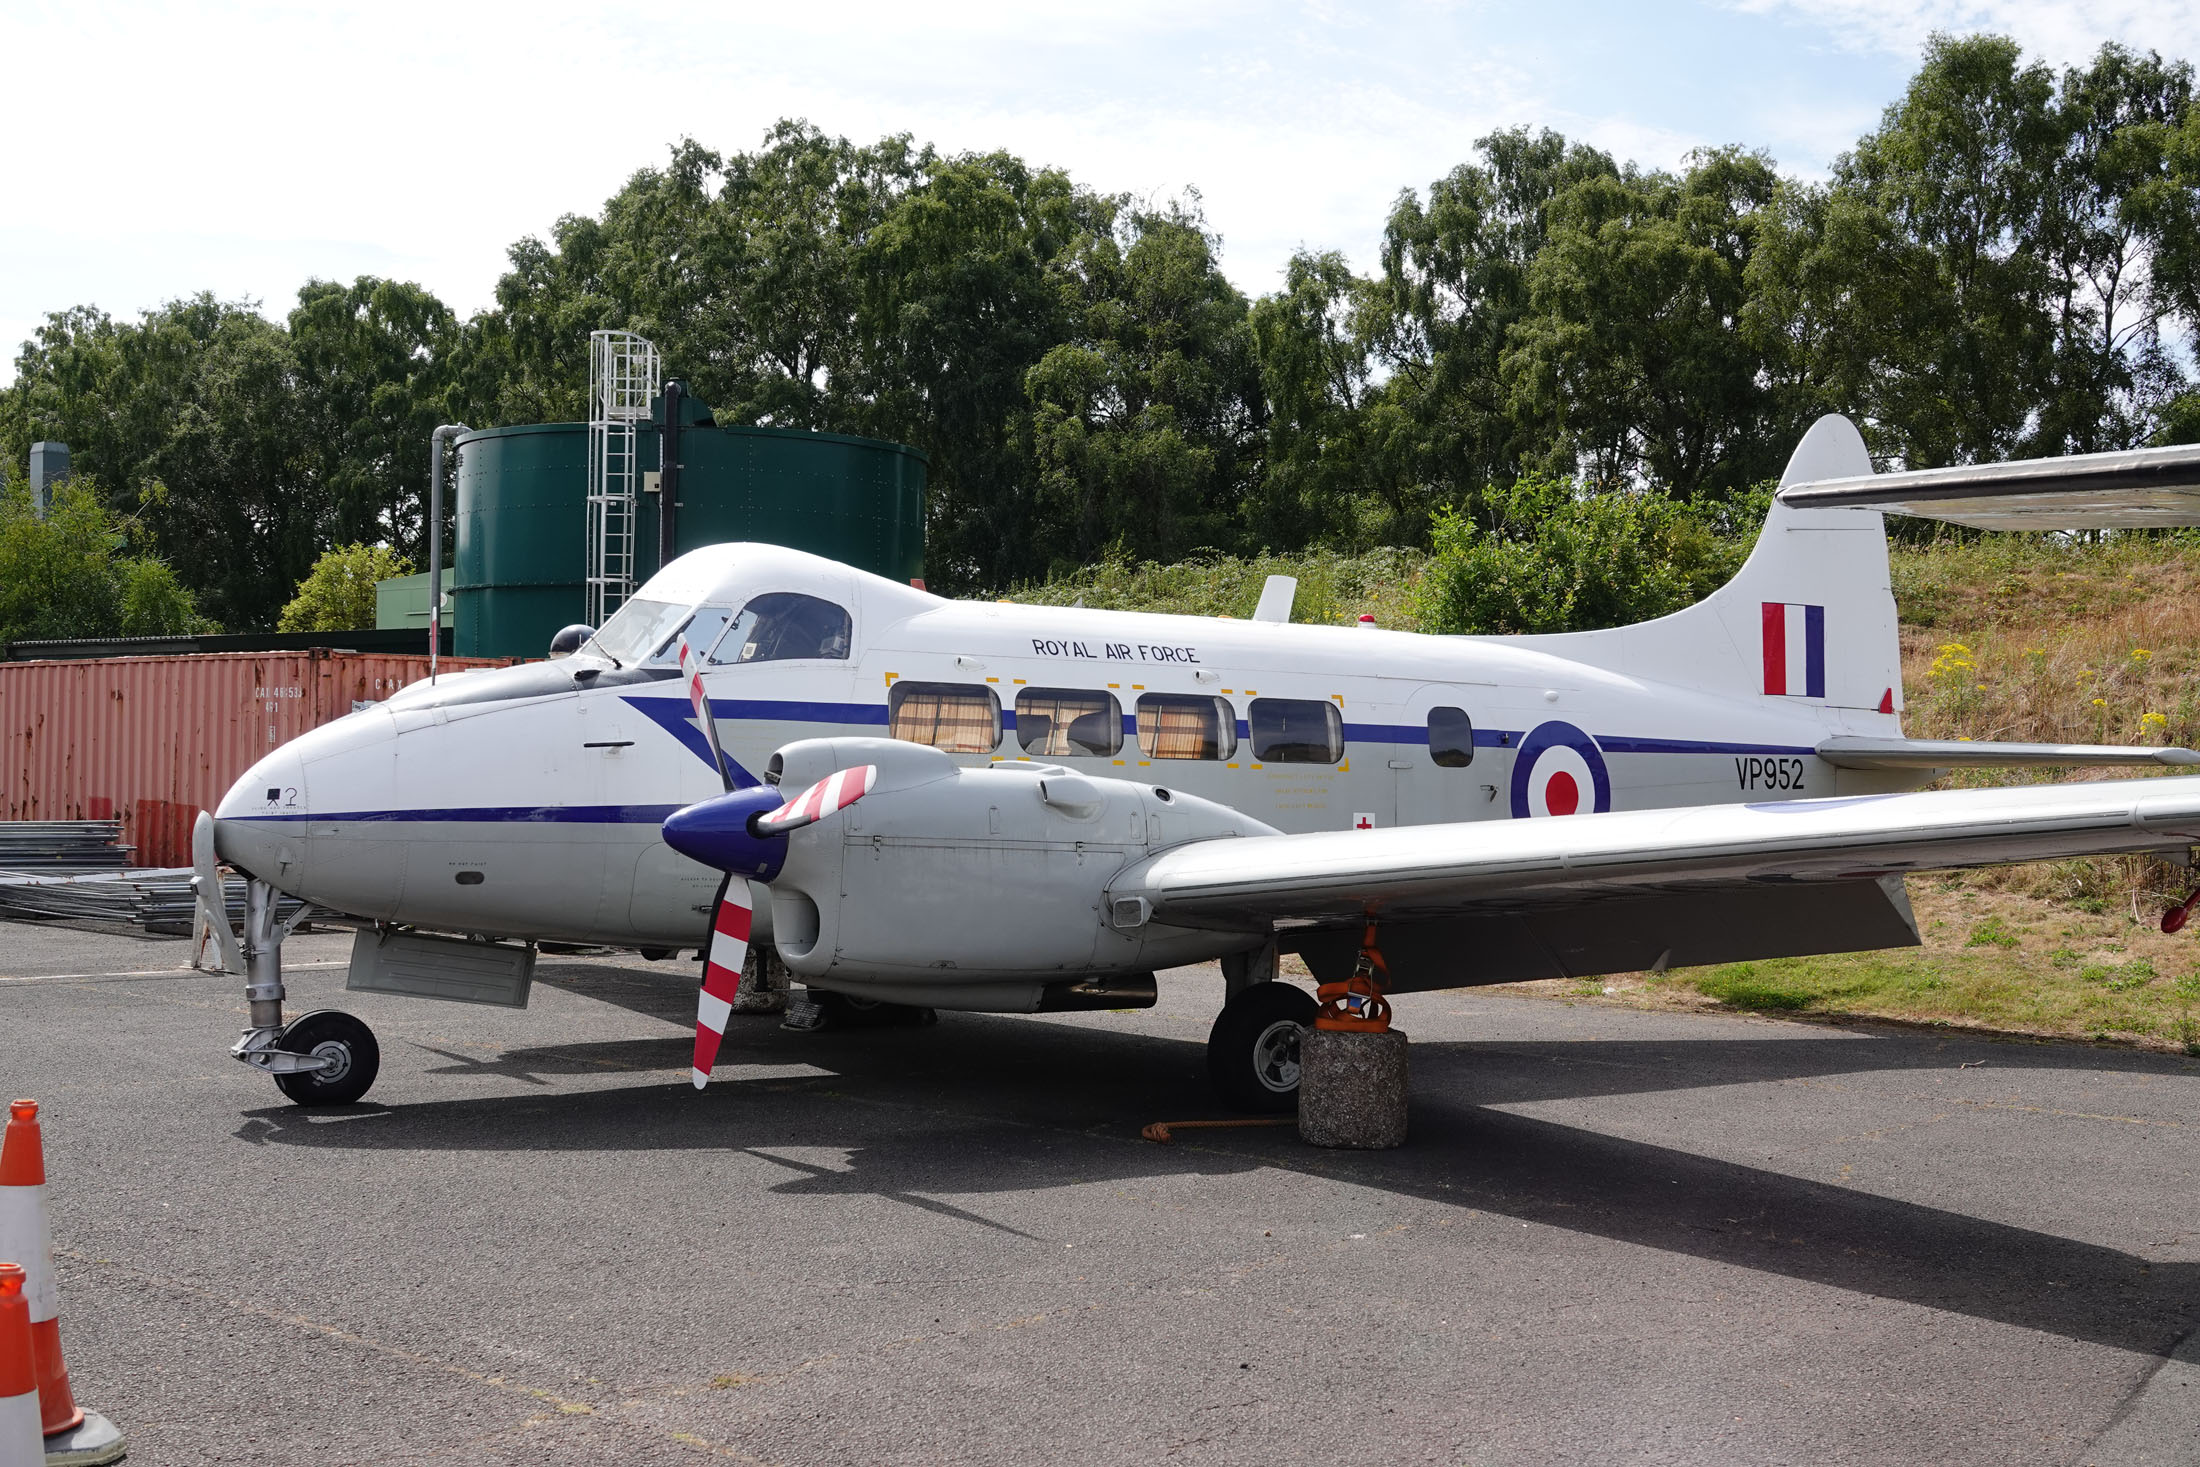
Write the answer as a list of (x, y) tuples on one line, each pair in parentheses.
[(1795, 650)]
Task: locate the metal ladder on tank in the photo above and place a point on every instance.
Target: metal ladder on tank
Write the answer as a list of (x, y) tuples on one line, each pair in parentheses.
[(623, 371)]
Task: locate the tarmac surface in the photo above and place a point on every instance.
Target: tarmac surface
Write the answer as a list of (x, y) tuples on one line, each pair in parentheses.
[(1612, 1237)]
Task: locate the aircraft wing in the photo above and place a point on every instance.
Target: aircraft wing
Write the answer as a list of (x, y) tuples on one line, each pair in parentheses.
[(2138, 489), (1506, 866)]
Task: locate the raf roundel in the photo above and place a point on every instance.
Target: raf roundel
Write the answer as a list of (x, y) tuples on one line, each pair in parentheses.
[(1559, 771)]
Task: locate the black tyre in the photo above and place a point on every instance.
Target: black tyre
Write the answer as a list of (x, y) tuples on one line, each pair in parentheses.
[(331, 1032), (1253, 1050)]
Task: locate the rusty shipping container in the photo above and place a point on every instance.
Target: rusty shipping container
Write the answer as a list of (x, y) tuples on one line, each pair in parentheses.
[(155, 740)]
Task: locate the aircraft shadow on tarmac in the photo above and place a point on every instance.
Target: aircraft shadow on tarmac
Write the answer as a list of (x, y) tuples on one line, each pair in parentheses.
[(985, 1104)]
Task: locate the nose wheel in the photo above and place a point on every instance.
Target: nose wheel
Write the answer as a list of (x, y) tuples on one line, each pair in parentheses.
[(1253, 1050), (326, 1057), (350, 1059)]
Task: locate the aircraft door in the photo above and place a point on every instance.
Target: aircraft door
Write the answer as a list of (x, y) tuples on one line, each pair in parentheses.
[(1438, 773)]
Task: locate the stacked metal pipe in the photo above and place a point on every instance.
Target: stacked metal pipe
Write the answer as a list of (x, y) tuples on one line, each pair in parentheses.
[(158, 900), (62, 845)]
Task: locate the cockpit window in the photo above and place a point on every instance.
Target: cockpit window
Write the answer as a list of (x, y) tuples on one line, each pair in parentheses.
[(782, 626), (702, 632), (636, 630)]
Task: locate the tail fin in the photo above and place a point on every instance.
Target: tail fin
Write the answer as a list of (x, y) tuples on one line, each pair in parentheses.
[(1809, 617)]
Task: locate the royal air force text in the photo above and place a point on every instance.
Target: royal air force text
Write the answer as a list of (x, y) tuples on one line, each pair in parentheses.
[(1115, 651)]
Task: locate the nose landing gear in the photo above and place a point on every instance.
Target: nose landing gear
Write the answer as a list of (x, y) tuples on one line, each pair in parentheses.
[(326, 1057)]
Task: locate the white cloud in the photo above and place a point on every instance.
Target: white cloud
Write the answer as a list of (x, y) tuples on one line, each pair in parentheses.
[(243, 146), (2057, 31)]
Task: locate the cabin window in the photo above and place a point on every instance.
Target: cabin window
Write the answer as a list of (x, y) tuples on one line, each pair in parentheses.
[(957, 717), (1058, 722), (1185, 726), (1450, 737), (1295, 731), (786, 626)]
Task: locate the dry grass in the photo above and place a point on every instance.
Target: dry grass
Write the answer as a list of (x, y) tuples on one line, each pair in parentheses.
[(2022, 639)]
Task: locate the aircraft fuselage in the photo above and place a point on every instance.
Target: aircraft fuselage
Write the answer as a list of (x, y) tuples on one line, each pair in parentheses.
[(526, 802)]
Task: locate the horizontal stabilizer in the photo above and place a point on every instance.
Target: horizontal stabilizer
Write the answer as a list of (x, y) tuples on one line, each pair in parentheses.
[(2139, 489), (1863, 753)]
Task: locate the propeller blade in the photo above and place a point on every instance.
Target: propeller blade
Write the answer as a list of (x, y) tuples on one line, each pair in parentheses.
[(722, 963), (833, 793), (691, 671)]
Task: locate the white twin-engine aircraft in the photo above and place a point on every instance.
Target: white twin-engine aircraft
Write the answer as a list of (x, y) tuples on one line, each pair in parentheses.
[(987, 806)]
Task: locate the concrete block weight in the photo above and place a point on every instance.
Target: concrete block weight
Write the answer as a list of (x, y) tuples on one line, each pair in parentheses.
[(1352, 1089)]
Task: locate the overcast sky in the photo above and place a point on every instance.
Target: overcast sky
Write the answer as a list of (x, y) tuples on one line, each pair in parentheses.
[(155, 150)]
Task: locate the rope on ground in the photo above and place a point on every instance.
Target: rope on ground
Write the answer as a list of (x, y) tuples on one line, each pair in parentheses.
[(1159, 1130)]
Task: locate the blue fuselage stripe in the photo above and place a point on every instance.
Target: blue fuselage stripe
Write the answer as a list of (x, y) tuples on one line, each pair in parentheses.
[(493, 815)]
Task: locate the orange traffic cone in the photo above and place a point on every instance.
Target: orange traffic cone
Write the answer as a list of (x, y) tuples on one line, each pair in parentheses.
[(26, 1235), (21, 1443), (71, 1435)]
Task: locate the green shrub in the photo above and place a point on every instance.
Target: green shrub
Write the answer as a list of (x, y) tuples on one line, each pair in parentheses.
[(337, 595), (1543, 556)]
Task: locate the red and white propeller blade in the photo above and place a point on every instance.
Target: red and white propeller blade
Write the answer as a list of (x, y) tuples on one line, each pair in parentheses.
[(835, 792), (722, 963), (691, 672)]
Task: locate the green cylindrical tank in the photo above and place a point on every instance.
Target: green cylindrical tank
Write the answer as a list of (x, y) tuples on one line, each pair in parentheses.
[(521, 516)]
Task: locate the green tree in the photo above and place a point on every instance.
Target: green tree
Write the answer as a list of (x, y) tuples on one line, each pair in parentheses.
[(741, 269), (1455, 275), (1630, 360), (2113, 373), (965, 290), (337, 595), (240, 447), (373, 368), (80, 571), (1911, 291), (1338, 463), (1145, 422)]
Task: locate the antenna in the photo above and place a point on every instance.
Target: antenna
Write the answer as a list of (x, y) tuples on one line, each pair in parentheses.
[(622, 385)]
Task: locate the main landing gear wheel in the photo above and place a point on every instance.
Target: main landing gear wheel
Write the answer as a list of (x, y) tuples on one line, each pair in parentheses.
[(349, 1045), (1253, 1050)]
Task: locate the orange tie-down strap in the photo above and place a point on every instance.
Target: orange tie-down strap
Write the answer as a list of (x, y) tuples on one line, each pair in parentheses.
[(1357, 1005)]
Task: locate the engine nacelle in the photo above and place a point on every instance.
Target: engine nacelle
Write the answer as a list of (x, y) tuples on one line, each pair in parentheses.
[(979, 888)]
